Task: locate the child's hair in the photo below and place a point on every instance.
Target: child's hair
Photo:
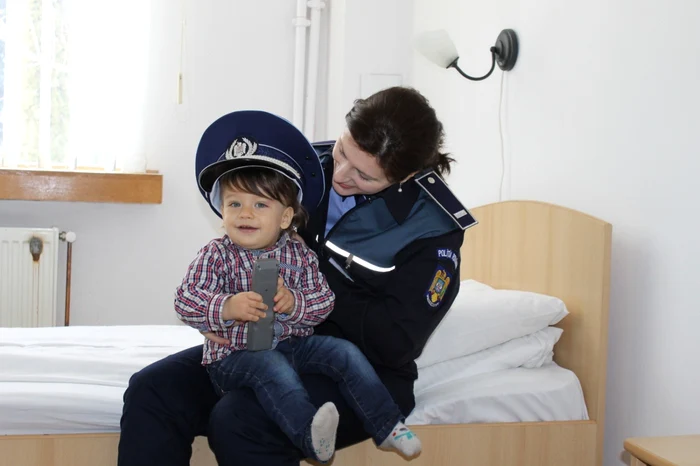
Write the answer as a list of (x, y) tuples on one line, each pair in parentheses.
[(270, 184)]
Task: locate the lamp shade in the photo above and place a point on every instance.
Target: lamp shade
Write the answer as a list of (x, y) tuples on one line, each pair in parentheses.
[(437, 47)]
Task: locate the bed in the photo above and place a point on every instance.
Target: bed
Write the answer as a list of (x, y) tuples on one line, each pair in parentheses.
[(495, 418)]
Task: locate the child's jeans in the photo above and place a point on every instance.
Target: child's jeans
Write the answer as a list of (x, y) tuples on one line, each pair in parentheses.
[(273, 376)]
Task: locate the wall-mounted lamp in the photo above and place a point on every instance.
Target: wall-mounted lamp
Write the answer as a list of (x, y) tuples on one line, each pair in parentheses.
[(437, 47)]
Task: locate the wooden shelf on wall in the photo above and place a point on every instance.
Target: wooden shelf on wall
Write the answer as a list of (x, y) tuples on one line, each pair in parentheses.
[(81, 186)]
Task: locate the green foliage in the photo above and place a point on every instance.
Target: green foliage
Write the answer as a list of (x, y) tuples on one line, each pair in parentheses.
[(31, 70)]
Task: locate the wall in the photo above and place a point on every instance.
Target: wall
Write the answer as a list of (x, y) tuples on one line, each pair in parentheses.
[(601, 112), (129, 259), (369, 49)]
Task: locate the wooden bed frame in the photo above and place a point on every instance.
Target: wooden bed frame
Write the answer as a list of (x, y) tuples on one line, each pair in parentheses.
[(520, 245)]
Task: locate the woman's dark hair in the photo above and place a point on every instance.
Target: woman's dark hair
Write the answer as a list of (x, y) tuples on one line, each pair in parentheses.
[(400, 128), (270, 184)]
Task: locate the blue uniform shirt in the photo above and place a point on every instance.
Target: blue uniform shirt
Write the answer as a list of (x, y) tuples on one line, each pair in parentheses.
[(337, 206)]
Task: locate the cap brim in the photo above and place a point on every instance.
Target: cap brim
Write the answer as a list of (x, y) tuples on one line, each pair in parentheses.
[(213, 172)]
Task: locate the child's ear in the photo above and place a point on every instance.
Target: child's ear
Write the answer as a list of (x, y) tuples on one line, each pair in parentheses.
[(287, 217)]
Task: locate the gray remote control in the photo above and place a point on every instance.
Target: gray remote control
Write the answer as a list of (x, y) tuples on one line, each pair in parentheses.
[(260, 333)]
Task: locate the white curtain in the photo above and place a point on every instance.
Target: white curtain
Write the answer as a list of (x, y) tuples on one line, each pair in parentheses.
[(75, 74)]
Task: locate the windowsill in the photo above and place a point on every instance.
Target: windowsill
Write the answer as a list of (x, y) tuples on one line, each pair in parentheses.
[(80, 186)]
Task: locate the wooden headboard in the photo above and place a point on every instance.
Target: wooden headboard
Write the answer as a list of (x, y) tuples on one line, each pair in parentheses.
[(534, 246)]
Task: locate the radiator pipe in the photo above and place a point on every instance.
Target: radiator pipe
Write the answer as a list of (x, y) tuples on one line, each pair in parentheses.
[(312, 75), (69, 237), (301, 23)]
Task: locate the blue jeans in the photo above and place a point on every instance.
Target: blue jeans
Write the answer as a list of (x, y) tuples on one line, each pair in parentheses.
[(274, 377)]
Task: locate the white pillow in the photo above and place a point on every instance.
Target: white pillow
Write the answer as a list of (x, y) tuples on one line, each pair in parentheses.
[(529, 351), (482, 317)]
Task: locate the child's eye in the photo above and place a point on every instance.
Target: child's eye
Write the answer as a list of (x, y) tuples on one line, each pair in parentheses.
[(235, 204), (260, 205)]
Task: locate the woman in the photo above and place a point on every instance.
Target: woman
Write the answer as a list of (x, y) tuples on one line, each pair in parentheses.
[(388, 235)]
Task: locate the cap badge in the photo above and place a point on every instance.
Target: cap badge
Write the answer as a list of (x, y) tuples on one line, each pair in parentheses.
[(241, 147)]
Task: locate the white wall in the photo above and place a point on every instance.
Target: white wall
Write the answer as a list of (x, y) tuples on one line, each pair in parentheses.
[(129, 259), (370, 42), (601, 117)]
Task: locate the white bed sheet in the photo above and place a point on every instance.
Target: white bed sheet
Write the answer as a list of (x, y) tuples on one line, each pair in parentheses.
[(72, 380), (94, 355), (59, 408), (59, 380), (547, 393)]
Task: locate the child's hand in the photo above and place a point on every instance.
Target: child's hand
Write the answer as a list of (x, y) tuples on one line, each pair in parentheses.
[(284, 299), (244, 307)]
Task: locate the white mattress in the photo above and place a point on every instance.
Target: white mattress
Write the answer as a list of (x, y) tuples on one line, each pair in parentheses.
[(59, 408), (72, 380), (547, 393)]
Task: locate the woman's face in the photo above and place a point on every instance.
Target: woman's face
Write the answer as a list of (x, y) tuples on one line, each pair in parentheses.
[(355, 171)]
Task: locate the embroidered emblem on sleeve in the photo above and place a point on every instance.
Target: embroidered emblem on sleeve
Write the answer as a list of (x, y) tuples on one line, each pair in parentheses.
[(438, 287)]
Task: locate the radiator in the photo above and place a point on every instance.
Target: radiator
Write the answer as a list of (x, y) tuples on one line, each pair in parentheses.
[(28, 275)]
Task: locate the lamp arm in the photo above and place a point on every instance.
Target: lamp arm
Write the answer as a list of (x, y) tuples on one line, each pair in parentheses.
[(459, 70)]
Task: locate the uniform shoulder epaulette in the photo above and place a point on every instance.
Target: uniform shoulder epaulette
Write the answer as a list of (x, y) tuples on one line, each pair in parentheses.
[(443, 196)]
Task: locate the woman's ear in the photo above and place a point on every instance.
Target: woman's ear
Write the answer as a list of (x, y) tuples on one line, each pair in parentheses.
[(409, 176), (287, 217)]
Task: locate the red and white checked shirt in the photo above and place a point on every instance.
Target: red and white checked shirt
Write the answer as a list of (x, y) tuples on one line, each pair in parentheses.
[(222, 269)]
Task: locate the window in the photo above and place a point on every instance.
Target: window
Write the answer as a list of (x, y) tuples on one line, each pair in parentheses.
[(73, 76)]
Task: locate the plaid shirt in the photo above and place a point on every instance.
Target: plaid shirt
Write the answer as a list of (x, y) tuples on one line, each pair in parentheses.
[(222, 269)]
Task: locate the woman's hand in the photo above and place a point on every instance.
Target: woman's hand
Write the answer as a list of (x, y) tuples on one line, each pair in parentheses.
[(284, 299), (211, 336)]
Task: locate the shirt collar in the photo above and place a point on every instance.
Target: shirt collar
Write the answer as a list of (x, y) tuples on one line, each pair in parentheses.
[(400, 199)]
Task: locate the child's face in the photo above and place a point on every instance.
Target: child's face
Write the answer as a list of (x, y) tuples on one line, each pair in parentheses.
[(251, 221)]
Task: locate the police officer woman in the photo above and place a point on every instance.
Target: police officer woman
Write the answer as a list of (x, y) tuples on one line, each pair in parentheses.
[(388, 233)]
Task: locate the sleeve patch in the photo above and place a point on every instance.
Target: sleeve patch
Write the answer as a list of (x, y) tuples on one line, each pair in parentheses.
[(445, 253), (438, 287)]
